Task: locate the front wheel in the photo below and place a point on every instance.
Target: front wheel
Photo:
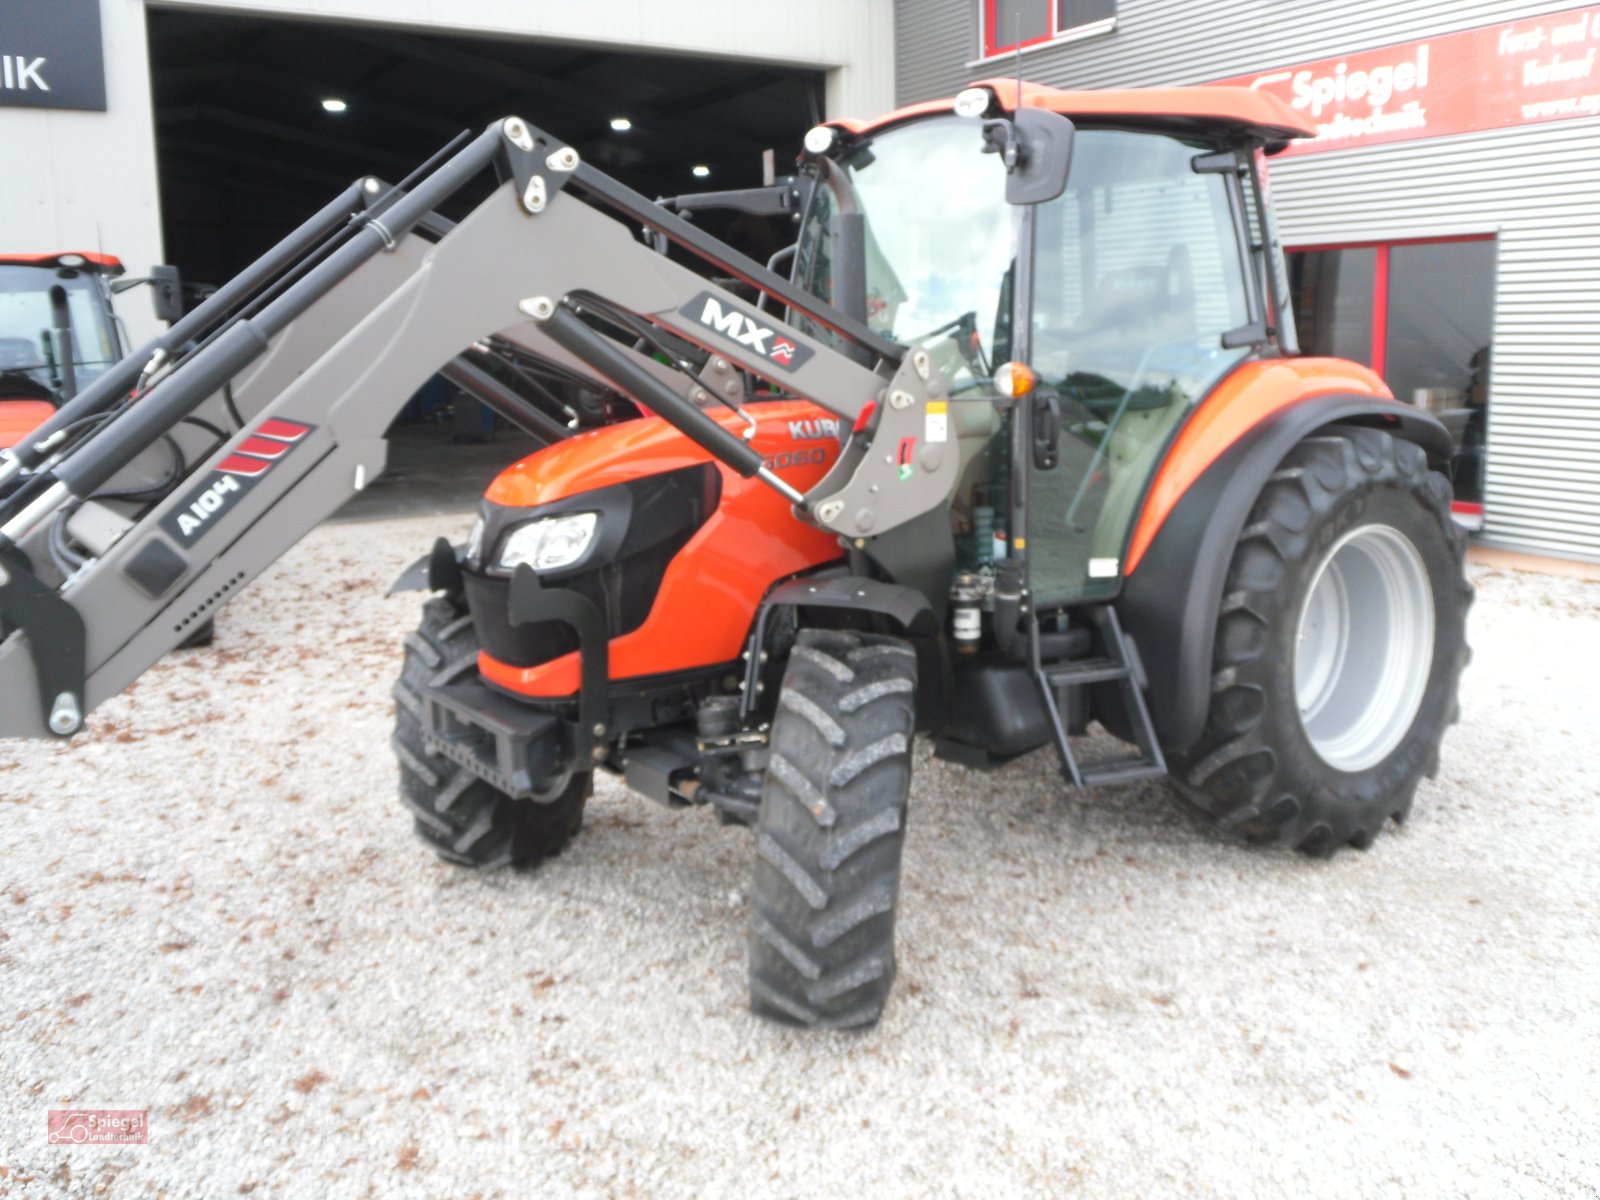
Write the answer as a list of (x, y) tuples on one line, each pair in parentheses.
[(1338, 649), (462, 818), (831, 829)]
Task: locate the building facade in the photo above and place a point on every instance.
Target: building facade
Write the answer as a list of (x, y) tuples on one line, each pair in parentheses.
[(1444, 227), (83, 174)]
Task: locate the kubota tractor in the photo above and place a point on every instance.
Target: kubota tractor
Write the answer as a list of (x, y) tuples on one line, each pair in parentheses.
[(1023, 443)]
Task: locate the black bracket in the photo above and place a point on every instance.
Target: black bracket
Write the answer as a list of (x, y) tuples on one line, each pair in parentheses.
[(56, 637), (906, 606), (531, 601), (780, 199), (444, 570)]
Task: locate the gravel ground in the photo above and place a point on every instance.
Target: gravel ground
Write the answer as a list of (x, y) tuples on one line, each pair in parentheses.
[(211, 906)]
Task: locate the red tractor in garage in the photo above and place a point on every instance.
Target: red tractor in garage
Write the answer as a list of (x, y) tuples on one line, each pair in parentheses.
[(58, 332), (1023, 443)]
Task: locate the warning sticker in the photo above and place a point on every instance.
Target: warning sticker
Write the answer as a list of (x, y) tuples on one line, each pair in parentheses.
[(937, 427)]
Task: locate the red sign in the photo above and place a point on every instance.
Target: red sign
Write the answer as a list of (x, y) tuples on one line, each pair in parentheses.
[(1520, 73)]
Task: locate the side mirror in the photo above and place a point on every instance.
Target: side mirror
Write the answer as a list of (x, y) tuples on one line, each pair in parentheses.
[(166, 293), (1037, 147)]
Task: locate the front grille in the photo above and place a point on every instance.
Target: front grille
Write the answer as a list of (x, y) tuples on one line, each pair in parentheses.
[(488, 598), (666, 511)]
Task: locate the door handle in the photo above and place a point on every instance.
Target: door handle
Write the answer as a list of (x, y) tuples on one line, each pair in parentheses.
[(1046, 430)]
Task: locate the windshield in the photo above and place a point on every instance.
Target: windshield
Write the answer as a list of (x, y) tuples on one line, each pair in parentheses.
[(940, 243), (26, 318)]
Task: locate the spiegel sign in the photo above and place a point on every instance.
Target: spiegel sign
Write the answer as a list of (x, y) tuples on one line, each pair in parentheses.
[(50, 54), (1520, 73)]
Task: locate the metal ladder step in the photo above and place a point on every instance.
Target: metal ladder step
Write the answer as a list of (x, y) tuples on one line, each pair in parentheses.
[(1120, 665), (1086, 670), (1120, 770)]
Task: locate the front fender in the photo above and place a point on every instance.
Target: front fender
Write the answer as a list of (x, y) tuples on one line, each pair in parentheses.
[(1171, 598)]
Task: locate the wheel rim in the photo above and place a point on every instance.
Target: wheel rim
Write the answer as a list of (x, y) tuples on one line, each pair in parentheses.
[(1364, 647)]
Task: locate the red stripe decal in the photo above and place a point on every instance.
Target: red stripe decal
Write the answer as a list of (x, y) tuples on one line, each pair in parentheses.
[(1466, 508), (238, 464), (284, 431), (262, 447)]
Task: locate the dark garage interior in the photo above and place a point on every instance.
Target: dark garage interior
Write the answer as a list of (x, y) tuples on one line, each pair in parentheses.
[(246, 148), (259, 121)]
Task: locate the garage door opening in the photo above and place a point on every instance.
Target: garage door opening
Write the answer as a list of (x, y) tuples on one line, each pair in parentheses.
[(260, 120)]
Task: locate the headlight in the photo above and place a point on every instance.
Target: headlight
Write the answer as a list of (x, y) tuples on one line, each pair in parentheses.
[(974, 102), (550, 544), (820, 139)]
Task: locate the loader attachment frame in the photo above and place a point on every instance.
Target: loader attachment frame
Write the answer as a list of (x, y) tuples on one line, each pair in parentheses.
[(321, 342)]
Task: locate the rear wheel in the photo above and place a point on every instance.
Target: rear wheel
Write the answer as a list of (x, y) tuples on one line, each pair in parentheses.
[(831, 830), (1338, 650), (464, 819)]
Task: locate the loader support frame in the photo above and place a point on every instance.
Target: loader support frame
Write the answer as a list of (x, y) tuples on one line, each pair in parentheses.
[(319, 353)]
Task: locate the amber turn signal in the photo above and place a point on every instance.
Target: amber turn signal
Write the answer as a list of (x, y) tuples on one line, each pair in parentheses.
[(1014, 379)]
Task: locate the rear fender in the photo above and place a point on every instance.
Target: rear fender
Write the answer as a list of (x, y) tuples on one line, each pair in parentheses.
[(1171, 599)]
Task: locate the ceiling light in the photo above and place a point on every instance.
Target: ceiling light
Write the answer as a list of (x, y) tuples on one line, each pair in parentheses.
[(621, 124), (334, 104), (701, 170)]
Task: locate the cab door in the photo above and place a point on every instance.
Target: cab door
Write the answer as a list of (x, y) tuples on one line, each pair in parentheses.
[(1140, 305)]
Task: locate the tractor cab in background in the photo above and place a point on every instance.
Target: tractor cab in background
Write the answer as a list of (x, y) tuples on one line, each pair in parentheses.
[(59, 332)]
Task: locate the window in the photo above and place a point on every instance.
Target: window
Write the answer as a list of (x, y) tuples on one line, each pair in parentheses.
[(25, 315), (1421, 314), (1010, 24), (937, 260), (1137, 277)]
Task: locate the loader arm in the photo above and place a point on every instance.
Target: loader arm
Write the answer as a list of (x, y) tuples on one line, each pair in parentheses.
[(324, 340)]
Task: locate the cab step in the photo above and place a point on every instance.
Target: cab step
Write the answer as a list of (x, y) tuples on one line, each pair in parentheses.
[(1120, 665)]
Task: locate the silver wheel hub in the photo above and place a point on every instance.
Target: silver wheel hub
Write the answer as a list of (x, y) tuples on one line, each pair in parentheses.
[(1364, 647)]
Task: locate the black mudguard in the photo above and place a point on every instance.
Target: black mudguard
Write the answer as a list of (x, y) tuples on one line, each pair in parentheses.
[(436, 571), (1171, 601)]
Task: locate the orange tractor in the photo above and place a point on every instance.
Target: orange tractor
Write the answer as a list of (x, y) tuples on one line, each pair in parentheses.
[(1022, 443)]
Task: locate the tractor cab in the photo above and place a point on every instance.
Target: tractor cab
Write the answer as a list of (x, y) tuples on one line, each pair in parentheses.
[(57, 333), (1114, 303)]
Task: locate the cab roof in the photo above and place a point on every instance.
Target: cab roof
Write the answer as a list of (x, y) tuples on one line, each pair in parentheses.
[(104, 262), (1238, 109)]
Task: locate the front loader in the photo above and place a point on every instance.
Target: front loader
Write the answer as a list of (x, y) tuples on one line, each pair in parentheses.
[(1024, 442)]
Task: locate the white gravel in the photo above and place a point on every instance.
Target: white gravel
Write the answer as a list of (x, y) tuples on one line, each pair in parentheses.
[(213, 907)]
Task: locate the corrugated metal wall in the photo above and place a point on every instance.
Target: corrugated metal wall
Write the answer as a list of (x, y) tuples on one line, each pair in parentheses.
[(1537, 187), (1179, 41)]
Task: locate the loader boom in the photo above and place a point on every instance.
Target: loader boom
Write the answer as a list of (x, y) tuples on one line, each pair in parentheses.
[(319, 352)]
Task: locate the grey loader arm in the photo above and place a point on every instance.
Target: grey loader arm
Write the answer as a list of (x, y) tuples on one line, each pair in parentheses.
[(320, 359)]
